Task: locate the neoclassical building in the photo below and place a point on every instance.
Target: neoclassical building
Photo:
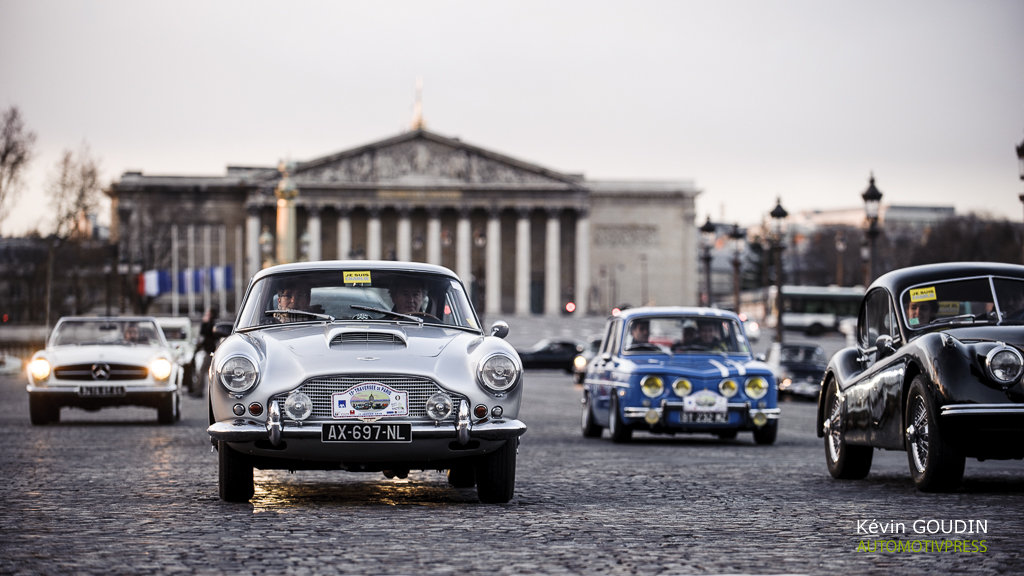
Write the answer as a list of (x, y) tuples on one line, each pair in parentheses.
[(525, 239)]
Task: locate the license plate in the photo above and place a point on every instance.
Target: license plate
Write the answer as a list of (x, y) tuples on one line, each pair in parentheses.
[(705, 417), (101, 391), (366, 433)]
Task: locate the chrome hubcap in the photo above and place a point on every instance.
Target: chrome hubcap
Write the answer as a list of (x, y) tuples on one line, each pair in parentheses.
[(832, 427), (917, 433)]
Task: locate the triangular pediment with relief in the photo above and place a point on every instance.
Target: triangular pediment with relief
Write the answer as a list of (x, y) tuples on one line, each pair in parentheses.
[(422, 158)]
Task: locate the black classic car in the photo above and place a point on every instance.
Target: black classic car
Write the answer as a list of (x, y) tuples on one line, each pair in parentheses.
[(936, 372), (553, 354)]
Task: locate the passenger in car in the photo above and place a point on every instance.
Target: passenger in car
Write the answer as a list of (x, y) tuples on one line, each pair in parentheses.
[(294, 294), (710, 336)]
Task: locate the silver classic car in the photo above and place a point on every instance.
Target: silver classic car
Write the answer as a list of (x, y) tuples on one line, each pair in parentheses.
[(94, 363), (364, 366)]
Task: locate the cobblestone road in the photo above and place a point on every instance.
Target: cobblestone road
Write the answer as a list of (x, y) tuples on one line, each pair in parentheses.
[(113, 492)]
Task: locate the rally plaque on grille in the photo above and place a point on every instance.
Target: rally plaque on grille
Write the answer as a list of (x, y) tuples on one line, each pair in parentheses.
[(369, 400)]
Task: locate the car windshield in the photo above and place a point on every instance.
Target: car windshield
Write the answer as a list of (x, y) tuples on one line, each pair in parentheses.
[(803, 355), (357, 295), (967, 300), (116, 332), (175, 333), (685, 334)]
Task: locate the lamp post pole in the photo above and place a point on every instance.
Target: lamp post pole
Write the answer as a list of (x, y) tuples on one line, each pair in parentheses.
[(1020, 164), (708, 233), (840, 253), (872, 200), (778, 215), (737, 236)]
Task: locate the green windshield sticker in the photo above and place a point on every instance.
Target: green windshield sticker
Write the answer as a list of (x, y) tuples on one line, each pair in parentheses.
[(922, 294)]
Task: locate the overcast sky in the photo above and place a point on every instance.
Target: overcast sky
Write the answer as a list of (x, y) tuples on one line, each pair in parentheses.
[(749, 100)]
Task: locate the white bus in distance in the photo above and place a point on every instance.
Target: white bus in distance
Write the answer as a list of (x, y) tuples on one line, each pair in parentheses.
[(816, 309)]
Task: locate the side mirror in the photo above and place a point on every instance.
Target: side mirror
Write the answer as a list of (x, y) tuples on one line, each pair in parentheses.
[(606, 356), (499, 329), (883, 344), (760, 357), (222, 329)]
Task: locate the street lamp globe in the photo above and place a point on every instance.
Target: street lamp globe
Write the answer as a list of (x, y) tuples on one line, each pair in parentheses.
[(778, 215), (1020, 158), (707, 232), (872, 199)]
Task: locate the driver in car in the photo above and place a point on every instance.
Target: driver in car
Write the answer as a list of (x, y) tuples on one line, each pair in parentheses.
[(294, 294), (639, 333), (710, 336), (408, 296), (920, 313)]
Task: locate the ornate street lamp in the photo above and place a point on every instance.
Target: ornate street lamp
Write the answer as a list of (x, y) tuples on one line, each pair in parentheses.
[(737, 237), (840, 256), (707, 232), (872, 199), (778, 215), (286, 192), (1020, 163)]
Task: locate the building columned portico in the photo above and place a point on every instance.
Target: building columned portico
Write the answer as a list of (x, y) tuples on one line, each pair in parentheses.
[(524, 239)]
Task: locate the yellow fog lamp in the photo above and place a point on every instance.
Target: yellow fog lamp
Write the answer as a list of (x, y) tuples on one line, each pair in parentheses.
[(756, 387), (652, 386), (760, 419), (160, 369), (682, 387), (728, 387), (652, 417)]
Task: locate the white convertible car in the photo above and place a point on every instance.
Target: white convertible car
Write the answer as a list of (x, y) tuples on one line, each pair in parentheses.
[(93, 363), (367, 367)]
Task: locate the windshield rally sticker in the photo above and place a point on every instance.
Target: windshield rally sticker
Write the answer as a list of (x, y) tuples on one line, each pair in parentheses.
[(922, 294), (369, 400), (357, 277)]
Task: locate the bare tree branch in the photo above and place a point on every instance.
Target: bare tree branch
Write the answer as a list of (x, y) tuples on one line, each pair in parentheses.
[(74, 191), (15, 153)]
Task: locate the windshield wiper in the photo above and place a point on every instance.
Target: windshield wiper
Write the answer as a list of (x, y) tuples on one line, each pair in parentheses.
[(383, 311), (327, 317), (959, 319)]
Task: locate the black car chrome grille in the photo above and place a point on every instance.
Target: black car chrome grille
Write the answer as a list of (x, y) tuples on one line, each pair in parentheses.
[(97, 371), (368, 340), (320, 389)]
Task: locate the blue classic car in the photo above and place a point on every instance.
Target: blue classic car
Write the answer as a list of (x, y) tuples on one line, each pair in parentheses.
[(668, 369)]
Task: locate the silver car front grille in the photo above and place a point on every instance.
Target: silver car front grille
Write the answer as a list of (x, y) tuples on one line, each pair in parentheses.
[(320, 389)]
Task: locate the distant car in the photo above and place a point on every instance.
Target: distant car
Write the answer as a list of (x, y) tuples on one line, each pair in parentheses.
[(178, 333), (9, 364), (936, 371), (798, 369), (583, 358), (668, 370), (94, 363), (347, 382), (551, 354), (751, 327)]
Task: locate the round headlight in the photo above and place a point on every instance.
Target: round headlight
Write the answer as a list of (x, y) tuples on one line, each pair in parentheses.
[(498, 373), (652, 386), (39, 368), (238, 374), (579, 362), (1004, 364), (756, 387), (682, 387), (439, 406), (160, 369), (728, 387), (298, 406)]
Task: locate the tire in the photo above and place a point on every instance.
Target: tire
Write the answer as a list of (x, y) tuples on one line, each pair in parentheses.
[(620, 433), (590, 427), (496, 474), (815, 330), (578, 377), (42, 412), (844, 461), (167, 411), (935, 465), (189, 378), (235, 475), (727, 435), (765, 435), (462, 476)]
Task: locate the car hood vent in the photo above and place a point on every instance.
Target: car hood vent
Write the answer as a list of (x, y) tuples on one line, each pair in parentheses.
[(375, 340)]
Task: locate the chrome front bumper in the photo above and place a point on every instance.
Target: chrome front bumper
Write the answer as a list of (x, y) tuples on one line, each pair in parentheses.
[(982, 409), (130, 387), (641, 412), (249, 431)]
